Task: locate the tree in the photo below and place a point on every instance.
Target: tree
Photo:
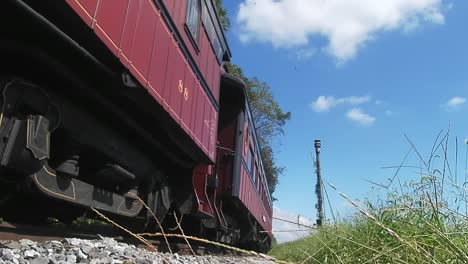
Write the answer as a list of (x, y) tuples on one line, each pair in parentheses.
[(269, 120), (225, 21)]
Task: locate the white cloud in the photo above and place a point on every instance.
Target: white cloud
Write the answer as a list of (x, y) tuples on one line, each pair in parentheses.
[(294, 231), (455, 101), (411, 25), (305, 53), (326, 103), (361, 117), (347, 25)]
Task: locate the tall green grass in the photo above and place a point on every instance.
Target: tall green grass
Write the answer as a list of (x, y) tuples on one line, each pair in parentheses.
[(421, 221)]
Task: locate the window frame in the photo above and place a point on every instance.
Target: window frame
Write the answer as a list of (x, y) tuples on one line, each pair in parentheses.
[(259, 181), (188, 26), (250, 160), (254, 177)]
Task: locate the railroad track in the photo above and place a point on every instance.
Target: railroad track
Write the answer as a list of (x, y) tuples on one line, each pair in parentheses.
[(38, 233), (41, 233)]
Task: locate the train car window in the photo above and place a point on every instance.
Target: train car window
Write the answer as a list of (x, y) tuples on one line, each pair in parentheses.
[(261, 194), (211, 30), (259, 180), (250, 160), (193, 14), (253, 173)]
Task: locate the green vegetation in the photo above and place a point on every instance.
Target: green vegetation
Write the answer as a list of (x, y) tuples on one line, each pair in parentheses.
[(423, 221), (82, 223), (402, 237), (225, 21), (86, 223)]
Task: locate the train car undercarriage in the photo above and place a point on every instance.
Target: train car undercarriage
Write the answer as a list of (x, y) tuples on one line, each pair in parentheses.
[(61, 134), (73, 130)]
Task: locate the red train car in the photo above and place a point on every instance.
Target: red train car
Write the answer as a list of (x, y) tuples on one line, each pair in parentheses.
[(238, 196), (105, 100), (178, 60)]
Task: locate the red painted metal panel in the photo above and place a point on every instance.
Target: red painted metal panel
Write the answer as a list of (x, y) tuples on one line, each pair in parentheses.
[(242, 187), (190, 46), (201, 60), (200, 182), (128, 35), (177, 85), (177, 13), (199, 54), (110, 18), (85, 9), (193, 110), (169, 86), (209, 68), (253, 201), (216, 81), (170, 4), (143, 43), (214, 72), (196, 125), (90, 6), (199, 122), (207, 124), (213, 134), (188, 100), (200, 47), (246, 190), (211, 128), (159, 60)]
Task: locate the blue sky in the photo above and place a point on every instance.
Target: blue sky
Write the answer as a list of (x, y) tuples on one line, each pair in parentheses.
[(357, 77)]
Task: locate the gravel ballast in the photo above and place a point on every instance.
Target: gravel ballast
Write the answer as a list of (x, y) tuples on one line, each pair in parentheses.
[(102, 251)]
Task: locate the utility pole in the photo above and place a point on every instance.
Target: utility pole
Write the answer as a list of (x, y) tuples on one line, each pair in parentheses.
[(318, 186)]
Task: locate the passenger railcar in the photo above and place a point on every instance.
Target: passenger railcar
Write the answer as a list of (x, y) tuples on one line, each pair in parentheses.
[(105, 100)]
